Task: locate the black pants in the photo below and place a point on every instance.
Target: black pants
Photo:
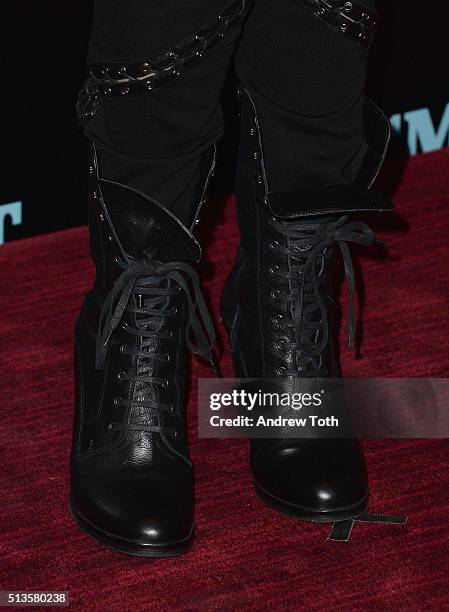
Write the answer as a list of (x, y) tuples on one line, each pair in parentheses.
[(305, 77)]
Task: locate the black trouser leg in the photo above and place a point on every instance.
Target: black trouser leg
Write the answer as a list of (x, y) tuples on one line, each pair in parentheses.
[(154, 140), (307, 81)]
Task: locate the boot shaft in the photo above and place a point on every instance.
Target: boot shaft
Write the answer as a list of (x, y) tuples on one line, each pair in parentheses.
[(282, 281)]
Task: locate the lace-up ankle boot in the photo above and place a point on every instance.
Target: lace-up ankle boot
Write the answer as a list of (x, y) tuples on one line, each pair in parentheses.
[(278, 308), (131, 476)]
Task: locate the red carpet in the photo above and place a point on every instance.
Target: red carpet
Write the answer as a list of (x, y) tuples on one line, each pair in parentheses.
[(246, 556)]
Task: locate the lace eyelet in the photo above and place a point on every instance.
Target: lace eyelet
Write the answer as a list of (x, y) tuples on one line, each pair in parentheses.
[(278, 319), (274, 270), (175, 434), (281, 371), (165, 383), (123, 348), (171, 409), (170, 334), (273, 244), (175, 310), (120, 376), (167, 358), (280, 344), (275, 294)]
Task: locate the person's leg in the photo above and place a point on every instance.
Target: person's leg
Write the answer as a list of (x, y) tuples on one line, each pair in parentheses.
[(154, 128), (150, 108), (311, 145), (306, 78)]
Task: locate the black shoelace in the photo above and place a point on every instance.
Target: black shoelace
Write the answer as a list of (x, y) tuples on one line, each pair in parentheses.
[(308, 244), (144, 289)]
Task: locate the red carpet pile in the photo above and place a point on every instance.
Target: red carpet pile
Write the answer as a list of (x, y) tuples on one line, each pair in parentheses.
[(246, 556)]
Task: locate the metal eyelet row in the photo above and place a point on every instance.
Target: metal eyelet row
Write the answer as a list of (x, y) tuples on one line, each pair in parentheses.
[(123, 79), (347, 17)]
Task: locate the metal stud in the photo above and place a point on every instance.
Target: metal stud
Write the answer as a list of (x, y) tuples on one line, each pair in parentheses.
[(260, 180), (252, 132), (255, 155), (101, 217)]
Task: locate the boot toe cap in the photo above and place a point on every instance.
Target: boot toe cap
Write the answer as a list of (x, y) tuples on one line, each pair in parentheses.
[(314, 482), (145, 514)]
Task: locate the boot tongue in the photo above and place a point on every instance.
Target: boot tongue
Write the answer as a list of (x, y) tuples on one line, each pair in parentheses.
[(143, 226)]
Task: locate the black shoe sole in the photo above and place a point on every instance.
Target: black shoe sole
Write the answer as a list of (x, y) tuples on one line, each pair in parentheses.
[(130, 547), (310, 514)]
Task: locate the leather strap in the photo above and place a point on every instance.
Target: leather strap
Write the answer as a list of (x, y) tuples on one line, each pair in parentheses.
[(117, 79), (347, 17)]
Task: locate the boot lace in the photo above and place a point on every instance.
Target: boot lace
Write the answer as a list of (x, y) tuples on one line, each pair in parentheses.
[(308, 243), (144, 289)]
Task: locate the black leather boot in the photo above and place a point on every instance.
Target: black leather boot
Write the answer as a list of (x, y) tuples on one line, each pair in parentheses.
[(131, 477), (278, 308)]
